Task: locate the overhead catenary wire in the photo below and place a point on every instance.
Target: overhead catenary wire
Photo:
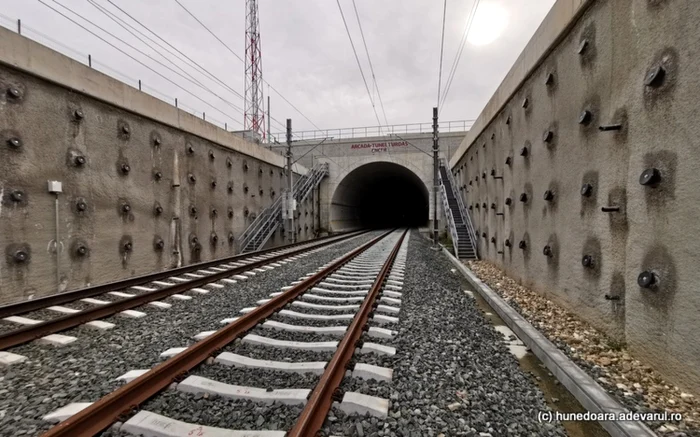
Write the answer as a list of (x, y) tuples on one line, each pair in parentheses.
[(310, 150), (442, 50), (455, 63), (241, 59), (458, 53), (371, 67), (413, 145), (359, 65), (131, 56)]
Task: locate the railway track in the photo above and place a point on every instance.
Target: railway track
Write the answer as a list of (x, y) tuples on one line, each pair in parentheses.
[(90, 304), (337, 301)]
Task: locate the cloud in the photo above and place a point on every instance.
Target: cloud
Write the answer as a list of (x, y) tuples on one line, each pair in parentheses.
[(306, 54)]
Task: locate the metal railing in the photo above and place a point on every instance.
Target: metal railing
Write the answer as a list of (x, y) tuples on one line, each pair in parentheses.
[(448, 213), (378, 131), (260, 224), (466, 218), (310, 181), (265, 224)]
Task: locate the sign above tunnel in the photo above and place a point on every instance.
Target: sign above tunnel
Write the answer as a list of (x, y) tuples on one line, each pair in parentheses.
[(379, 147)]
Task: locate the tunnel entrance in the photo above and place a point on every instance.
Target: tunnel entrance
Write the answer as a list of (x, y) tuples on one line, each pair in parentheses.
[(380, 195)]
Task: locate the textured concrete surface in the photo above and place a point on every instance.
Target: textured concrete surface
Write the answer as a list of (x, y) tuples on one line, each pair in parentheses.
[(309, 151), (146, 186), (655, 228), (554, 27), (376, 178), (31, 57)]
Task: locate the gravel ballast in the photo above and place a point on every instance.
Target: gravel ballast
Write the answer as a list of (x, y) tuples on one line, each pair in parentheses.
[(212, 410), (84, 371), (453, 375), (633, 384)]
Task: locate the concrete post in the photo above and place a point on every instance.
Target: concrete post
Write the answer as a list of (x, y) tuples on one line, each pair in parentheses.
[(436, 148)]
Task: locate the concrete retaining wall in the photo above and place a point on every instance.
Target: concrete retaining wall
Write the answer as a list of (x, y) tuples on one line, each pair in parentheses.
[(145, 186), (595, 64)]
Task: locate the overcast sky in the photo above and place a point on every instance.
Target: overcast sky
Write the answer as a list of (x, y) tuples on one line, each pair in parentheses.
[(307, 55)]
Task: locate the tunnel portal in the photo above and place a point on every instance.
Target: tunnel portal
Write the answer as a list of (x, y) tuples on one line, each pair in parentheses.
[(380, 195)]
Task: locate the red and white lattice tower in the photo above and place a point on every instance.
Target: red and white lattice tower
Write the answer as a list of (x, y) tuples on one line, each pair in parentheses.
[(254, 104)]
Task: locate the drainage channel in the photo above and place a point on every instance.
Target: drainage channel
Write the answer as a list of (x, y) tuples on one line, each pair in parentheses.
[(558, 398)]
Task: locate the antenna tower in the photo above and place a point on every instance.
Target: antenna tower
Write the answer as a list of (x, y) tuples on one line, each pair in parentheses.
[(254, 105)]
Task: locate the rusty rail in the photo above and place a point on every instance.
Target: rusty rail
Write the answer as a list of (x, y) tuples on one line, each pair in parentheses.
[(32, 332), (319, 404), (107, 410), (24, 307)]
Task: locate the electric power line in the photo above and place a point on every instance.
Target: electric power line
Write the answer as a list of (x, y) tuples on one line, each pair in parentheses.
[(96, 64), (358, 63), (194, 82), (371, 67), (442, 48), (124, 25), (458, 56), (208, 30), (183, 55), (241, 59), (129, 28), (128, 55)]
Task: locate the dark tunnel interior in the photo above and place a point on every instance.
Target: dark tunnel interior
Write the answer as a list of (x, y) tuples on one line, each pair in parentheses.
[(380, 195)]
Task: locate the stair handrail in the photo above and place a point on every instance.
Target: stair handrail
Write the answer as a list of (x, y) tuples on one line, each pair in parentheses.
[(466, 217), (318, 172), (258, 225), (267, 235), (270, 215), (448, 214)]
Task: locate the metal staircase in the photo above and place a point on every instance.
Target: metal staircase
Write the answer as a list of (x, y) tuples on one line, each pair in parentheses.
[(461, 228), (265, 224)]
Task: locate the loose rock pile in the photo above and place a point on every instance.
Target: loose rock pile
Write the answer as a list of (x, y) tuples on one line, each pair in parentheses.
[(632, 383)]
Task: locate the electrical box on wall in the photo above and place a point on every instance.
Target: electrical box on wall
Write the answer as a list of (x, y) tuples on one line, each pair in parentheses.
[(55, 187)]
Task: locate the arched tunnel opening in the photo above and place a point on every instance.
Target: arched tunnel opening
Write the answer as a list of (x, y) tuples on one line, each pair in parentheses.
[(380, 195)]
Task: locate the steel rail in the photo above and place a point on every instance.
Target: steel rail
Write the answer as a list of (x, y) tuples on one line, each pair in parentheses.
[(319, 404), (107, 410), (24, 307), (32, 332)]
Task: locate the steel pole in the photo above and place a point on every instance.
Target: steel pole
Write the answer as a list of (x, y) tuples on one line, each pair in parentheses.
[(436, 148), (290, 184), (58, 249)]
